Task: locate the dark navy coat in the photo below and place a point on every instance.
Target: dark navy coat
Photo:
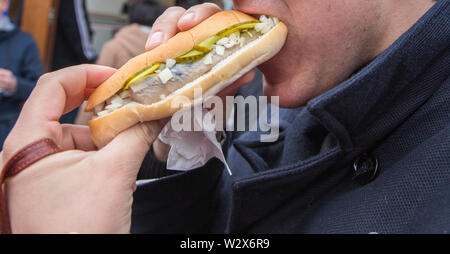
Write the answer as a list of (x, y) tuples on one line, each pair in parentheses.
[(19, 54), (393, 115)]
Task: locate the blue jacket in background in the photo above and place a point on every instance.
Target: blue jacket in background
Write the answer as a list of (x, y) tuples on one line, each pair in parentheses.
[(20, 55), (370, 155)]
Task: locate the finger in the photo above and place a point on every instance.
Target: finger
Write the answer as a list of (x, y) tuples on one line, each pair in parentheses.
[(4, 77), (77, 137), (197, 14), (54, 94), (127, 151), (165, 27), (88, 92), (161, 150), (62, 91)]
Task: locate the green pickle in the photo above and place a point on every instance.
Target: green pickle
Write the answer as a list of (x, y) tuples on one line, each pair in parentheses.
[(234, 29), (190, 56), (141, 74), (206, 45)]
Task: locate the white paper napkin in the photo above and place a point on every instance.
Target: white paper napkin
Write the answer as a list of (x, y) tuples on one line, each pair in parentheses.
[(192, 149)]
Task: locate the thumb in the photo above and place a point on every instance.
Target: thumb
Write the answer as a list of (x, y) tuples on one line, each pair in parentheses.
[(128, 149)]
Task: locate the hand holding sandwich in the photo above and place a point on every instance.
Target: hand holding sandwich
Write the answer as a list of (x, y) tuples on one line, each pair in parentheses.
[(178, 19), (80, 189)]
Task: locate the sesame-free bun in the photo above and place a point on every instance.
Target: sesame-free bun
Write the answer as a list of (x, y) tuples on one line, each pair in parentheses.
[(105, 128)]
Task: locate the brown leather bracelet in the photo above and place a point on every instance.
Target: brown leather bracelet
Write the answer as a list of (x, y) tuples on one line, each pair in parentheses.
[(26, 157)]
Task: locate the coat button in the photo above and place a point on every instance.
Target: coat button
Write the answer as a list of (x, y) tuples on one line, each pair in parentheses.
[(365, 169)]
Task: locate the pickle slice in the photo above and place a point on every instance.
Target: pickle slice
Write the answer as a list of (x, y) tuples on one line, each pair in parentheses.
[(190, 56), (234, 29), (141, 74), (206, 45)]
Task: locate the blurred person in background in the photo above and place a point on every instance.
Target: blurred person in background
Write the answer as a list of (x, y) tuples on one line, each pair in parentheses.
[(130, 40), (146, 11), (228, 4), (73, 44), (189, 3), (20, 68)]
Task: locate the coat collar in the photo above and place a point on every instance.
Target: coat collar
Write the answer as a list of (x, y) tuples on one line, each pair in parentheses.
[(375, 100)]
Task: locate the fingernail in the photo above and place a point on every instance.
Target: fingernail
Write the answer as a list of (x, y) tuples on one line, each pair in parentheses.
[(154, 40), (187, 17)]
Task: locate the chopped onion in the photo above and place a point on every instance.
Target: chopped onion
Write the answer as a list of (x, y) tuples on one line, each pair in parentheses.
[(266, 24), (263, 19), (260, 27), (234, 36), (103, 113), (113, 106), (165, 75), (270, 23), (124, 94), (116, 100), (229, 45), (275, 20), (207, 59), (223, 41), (241, 41), (132, 103), (213, 51), (99, 107), (220, 50), (170, 63)]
